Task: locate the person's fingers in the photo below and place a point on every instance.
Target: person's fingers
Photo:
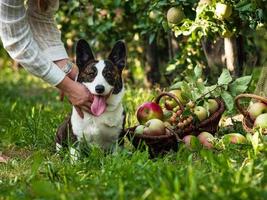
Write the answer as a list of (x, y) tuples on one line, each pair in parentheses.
[(61, 98), (79, 111)]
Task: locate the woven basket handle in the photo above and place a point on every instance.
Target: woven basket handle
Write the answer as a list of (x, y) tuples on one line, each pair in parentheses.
[(253, 96), (162, 94)]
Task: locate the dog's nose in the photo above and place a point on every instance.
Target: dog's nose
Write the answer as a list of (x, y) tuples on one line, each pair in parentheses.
[(99, 89)]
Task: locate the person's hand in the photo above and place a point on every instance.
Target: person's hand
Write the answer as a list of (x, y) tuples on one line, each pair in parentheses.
[(78, 95), (72, 75)]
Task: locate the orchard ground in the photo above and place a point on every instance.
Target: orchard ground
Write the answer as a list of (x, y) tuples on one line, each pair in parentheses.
[(29, 115)]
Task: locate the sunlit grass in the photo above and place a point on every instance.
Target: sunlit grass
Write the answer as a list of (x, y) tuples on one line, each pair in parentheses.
[(29, 115)]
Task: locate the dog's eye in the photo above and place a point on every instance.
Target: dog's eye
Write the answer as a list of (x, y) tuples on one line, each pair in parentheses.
[(91, 73), (109, 74)]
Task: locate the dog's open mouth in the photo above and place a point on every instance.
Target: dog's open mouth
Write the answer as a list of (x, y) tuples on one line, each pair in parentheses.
[(98, 105)]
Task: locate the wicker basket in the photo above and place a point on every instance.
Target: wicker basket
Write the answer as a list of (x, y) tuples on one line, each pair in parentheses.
[(247, 122), (157, 145), (210, 124)]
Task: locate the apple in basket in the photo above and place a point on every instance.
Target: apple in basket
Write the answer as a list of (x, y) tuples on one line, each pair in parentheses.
[(256, 109), (205, 139), (201, 113), (212, 105), (261, 121), (147, 111), (154, 127), (234, 138), (170, 103)]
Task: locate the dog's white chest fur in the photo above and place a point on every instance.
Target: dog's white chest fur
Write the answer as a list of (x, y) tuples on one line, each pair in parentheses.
[(103, 130)]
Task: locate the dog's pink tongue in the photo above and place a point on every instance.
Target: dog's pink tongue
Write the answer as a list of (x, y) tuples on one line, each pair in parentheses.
[(98, 105)]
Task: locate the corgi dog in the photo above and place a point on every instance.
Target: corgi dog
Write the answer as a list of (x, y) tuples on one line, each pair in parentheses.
[(103, 78)]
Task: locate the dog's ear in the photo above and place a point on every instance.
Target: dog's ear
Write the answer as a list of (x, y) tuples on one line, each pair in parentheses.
[(118, 54), (83, 54)]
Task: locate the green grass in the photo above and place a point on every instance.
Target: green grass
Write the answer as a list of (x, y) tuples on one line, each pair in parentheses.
[(29, 115)]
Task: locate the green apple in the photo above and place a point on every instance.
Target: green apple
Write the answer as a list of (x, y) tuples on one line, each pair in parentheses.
[(139, 129), (261, 121), (207, 2), (167, 114), (201, 113), (154, 127), (256, 109), (223, 11), (206, 139), (170, 103), (154, 14), (175, 15), (212, 105), (234, 138)]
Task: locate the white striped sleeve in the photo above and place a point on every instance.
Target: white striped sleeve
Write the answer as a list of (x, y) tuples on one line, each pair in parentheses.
[(45, 30), (17, 38)]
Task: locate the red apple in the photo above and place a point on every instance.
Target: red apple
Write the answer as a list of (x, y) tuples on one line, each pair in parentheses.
[(154, 127), (201, 113), (234, 138), (205, 139), (212, 105), (191, 142), (261, 121), (256, 109), (147, 111)]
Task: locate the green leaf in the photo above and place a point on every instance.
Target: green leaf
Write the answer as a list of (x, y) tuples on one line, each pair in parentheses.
[(228, 99), (176, 85), (225, 78), (198, 71), (151, 38), (240, 85)]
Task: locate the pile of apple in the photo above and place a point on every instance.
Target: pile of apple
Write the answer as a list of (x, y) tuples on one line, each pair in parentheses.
[(207, 140), (258, 114), (157, 120), (150, 117), (177, 117)]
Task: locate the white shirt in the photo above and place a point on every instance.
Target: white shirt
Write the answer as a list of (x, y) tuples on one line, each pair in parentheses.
[(31, 37)]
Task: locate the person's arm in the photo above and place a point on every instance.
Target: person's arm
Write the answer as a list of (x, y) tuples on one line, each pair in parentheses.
[(18, 40)]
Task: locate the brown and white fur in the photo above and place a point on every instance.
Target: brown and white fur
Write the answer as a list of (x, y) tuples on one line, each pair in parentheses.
[(103, 79)]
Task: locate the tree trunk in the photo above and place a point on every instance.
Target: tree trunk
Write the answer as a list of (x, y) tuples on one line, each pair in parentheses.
[(261, 88), (151, 52), (231, 55)]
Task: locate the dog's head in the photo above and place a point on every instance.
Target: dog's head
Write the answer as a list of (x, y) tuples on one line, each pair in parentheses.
[(102, 77)]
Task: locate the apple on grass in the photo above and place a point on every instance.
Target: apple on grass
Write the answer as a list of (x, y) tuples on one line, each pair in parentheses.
[(191, 142), (147, 111), (205, 139), (154, 127), (234, 138), (261, 122), (256, 109), (201, 113)]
